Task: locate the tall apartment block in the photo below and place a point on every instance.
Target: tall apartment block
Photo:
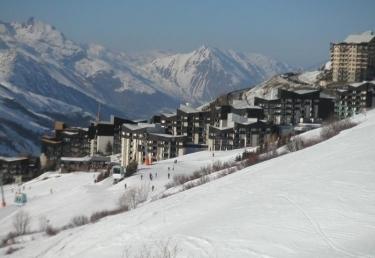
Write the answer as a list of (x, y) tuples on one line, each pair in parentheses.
[(354, 59)]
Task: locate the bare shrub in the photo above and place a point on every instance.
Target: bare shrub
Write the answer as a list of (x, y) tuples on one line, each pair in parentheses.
[(21, 222), (231, 170), (9, 239), (295, 144), (217, 165), (98, 215), (78, 221), (132, 197), (203, 180), (189, 185), (165, 195), (332, 128), (160, 249), (104, 213), (11, 250), (170, 185), (51, 231), (43, 223), (180, 179)]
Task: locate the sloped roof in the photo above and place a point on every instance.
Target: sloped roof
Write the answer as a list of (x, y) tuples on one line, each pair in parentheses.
[(188, 109), (243, 104), (365, 37)]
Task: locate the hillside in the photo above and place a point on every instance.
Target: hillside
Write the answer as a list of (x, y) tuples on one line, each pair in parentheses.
[(46, 76), (317, 202)]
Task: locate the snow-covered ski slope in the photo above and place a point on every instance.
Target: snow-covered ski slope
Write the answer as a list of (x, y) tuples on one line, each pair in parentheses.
[(317, 202), (60, 197)]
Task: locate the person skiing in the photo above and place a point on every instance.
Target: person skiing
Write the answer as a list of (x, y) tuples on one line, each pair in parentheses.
[(150, 176), (169, 175), (141, 176), (152, 188)]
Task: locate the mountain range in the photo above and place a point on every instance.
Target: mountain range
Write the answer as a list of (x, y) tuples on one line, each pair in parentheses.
[(44, 76)]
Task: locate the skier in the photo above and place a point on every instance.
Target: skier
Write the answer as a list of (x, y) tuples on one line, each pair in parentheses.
[(152, 188), (141, 176), (150, 176), (169, 175), (125, 186), (156, 174)]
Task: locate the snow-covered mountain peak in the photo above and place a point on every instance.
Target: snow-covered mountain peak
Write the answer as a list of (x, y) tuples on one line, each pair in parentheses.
[(36, 59)]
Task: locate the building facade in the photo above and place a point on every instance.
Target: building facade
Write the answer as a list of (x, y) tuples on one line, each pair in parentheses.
[(105, 136), (299, 106), (147, 143), (354, 98), (64, 141), (193, 124), (354, 59), (252, 133), (24, 168)]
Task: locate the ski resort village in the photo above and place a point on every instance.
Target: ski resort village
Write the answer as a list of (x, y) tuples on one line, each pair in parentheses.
[(212, 153)]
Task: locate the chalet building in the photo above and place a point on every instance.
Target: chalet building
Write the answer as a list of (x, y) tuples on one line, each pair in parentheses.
[(300, 106), (354, 98), (219, 114), (354, 59), (146, 143), (24, 168), (105, 136), (64, 141), (87, 163), (239, 132), (193, 124)]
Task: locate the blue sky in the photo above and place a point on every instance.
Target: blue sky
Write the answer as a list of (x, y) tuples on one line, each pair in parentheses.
[(295, 31)]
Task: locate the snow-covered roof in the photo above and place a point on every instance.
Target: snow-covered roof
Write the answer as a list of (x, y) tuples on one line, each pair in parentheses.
[(301, 92), (364, 37), (249, 121), (69, 133), (138, 126), (243, 104), (357, 84), (86, 159), (326, 96), (167, 135), (76, 159), (12, 159), (188, 109), (223, 128), (168, 114)]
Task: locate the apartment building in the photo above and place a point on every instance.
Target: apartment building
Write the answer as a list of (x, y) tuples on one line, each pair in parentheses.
[(353, 60), (64, 141), (239, 132), (105, 136), (24, 168), (299, 106), (193, 124), (147, 143), (354, 98)]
